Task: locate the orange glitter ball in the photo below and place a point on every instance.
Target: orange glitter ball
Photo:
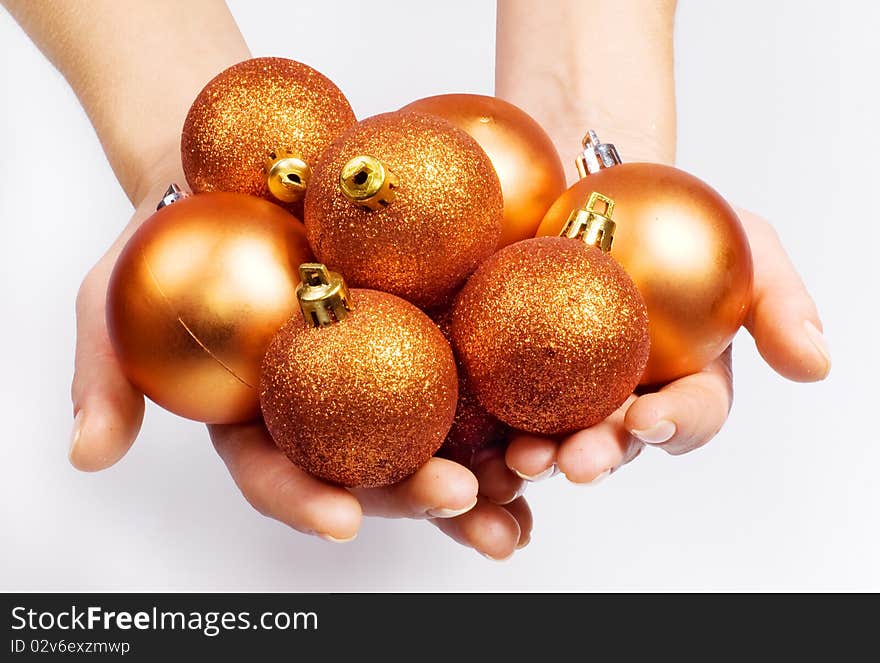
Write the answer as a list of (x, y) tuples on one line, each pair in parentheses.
[(364, 401), (553, 335), (255, 108), (444, 218), (473, 428)]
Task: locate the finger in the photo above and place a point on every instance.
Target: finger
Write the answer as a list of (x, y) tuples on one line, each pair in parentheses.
[(531, 457), (520, 510), (590, 455), (108, 410), (491, 530), (438, 489), (497, 482), (687, 413), (783, 318), (279, 489)]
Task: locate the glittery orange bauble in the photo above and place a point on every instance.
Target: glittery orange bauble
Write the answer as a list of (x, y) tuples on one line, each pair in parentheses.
[(196, 296), (253, 109), (443, 220), (684, 248), (552, 333), (524, 157), (473, 428), (364, 401)]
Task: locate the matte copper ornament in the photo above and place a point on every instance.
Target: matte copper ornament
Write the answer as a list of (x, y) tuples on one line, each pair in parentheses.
[(196, 296), (473, 428), (361, 389), (684, 248), (406, 203), (257, 128), (552, 332), (528, 166)]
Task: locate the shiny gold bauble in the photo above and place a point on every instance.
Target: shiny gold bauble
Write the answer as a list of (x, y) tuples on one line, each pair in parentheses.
[(196, 296), (258, 126), (365, 400), (406, 203), (473, 428), (524, 157), (552, 333), (684, 248)]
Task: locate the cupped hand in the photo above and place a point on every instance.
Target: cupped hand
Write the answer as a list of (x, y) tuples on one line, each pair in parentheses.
[(686, 413), (108, 412)]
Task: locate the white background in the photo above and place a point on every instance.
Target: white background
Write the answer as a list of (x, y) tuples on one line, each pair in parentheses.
[(778, 109)]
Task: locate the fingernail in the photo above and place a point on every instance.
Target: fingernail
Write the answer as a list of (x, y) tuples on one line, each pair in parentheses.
[(537, 477), (659, 433), (518, 493), (496, 559), (333, 539), (450, 513), (818, 340), (599, 478), (75, 433)]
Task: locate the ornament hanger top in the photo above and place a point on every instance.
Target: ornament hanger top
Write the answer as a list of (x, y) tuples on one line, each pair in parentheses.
[(322, 295), (590, 225), (595, 156), (368, 182), (287, 175)]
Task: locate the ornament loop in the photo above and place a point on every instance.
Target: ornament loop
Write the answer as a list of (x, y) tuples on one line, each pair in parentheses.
[(322, 294), (368, 182), (596, 155), (287, 175), (590, 225), (172, 194)]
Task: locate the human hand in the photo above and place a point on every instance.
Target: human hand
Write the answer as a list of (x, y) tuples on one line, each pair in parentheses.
[(109, 411), (686, 413)]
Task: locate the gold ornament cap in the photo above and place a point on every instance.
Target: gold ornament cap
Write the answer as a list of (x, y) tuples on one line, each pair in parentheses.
[(322, 295), (596, 155), (368, 182), (590, 225), (287, 175)]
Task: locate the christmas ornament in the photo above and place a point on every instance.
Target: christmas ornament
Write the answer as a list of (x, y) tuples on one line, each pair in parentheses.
[(406, 203), (473, 428), (551, 331), (259, 126), (360, 390), (196, 296), (684, 248), (522, 153)]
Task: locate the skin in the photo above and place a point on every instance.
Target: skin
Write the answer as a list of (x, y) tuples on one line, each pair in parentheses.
[(110, 52)]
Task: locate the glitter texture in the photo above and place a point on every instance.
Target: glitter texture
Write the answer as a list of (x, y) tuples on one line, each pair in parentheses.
[(251, 109), (473, 428), (444, 220), (552, 333), (365, 401)]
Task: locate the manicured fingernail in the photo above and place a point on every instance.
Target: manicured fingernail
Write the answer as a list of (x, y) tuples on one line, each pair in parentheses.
[(497, 559), (333, 539), (75, 433), (659, 433), (450, 513), (599, 478), (818, 340), (540, 476)]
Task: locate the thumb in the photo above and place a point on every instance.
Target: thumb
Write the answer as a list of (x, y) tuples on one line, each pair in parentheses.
[(108, 410), (783, 318)]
